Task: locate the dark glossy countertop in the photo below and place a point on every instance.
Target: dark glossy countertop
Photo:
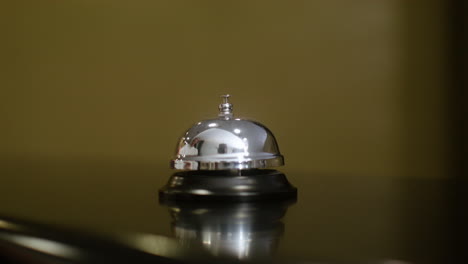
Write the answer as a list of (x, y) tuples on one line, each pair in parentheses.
[(59, 211)]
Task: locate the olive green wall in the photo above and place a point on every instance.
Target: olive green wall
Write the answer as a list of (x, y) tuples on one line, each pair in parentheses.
[(348, 87)]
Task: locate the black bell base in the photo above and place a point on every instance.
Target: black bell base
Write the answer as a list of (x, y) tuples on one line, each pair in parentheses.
[(228, 185)]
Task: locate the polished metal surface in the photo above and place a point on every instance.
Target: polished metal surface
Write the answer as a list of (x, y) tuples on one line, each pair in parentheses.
[(227, 143), (89, 211), (243, 231)]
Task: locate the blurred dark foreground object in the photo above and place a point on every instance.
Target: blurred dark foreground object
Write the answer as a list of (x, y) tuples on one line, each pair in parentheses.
[(25, 242)]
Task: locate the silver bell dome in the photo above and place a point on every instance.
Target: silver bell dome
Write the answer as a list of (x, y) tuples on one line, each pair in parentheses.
[(227, 143)]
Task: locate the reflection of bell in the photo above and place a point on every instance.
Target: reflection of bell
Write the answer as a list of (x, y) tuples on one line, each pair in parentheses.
[(245, 231), (226, 157)]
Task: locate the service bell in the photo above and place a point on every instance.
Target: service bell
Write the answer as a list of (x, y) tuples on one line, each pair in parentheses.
[(227, 158)]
